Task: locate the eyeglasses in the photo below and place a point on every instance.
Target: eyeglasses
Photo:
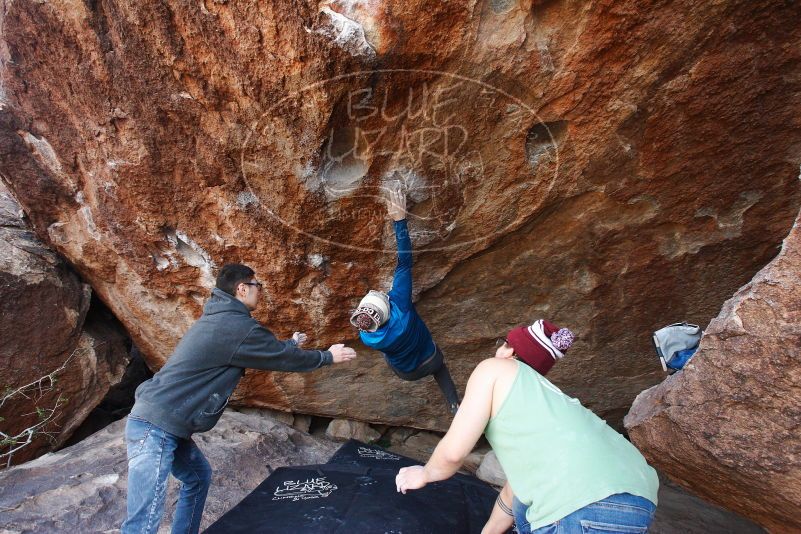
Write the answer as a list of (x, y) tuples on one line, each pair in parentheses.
[(257, 284)]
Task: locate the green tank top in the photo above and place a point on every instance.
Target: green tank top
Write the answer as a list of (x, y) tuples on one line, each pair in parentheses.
[(559, 456)]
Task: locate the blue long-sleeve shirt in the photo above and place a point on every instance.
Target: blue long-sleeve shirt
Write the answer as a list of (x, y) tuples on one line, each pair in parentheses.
[(404, 338)]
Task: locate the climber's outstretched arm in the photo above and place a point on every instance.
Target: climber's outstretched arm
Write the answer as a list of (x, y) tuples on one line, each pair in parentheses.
[(401, 293)]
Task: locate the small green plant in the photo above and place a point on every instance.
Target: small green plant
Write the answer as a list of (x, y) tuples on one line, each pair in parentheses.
[(45, 426)]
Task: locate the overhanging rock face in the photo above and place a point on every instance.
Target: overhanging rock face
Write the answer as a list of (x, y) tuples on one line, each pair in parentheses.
[(728, 426), (610, 166)]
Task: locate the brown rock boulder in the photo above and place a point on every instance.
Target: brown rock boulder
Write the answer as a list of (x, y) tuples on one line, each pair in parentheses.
[(54, 367), (43, 303), (728, 426), (590, 162), (43, 308), (99, 362)]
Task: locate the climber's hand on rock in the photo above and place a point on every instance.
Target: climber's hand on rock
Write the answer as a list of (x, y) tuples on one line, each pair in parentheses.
[(396, 204), (411, 478), (299, 338), (341, 353)]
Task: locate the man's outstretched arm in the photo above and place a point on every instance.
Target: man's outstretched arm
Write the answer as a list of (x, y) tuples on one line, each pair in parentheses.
[(261, 350)]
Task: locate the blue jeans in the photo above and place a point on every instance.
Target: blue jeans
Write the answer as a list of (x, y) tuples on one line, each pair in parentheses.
[(621, 513), (153, 454)]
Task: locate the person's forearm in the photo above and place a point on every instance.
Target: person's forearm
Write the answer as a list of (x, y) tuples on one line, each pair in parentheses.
[(403, 242), (501, 518), (442, 464), (261, 350), (401, 292), (498, 523)]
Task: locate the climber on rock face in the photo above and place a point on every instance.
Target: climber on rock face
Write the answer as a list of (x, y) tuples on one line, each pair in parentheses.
[(189, 395), (566, 468), (389, 322)]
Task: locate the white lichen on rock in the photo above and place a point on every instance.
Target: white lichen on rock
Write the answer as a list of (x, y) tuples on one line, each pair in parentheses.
[(245, 198), (345, 32), (191, 253), (316, 260)]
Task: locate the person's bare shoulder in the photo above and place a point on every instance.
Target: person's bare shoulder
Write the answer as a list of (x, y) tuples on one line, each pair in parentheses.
[(496, 375), (496, 368)]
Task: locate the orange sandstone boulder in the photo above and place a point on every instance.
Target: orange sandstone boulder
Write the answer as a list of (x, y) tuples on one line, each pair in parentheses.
[(612, 166)]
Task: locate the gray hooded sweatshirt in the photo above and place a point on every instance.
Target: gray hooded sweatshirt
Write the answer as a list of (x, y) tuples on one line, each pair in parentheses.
[(191, 391)]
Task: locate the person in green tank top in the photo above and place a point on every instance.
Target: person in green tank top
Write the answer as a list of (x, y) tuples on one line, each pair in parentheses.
[(567, 470)]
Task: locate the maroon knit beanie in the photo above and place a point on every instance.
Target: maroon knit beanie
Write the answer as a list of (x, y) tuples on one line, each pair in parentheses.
[(540, 344)]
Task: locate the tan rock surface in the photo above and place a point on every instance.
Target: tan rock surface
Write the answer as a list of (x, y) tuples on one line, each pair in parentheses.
[(302, 422), (419, 444), (728, 426), (473, 460), (283, 417), (613, 166), (490, 470), (344, 429)]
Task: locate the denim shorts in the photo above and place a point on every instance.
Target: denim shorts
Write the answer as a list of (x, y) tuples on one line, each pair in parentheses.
[(620, 513)]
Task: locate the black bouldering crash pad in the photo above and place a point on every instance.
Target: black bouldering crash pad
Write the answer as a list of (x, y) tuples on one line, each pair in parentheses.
[(351, 498), (354, 452)]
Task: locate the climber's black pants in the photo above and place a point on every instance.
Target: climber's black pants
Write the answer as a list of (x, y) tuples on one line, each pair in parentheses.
[(435, 365)]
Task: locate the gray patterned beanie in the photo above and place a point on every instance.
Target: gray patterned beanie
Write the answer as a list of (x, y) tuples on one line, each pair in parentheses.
[(374, 305)]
